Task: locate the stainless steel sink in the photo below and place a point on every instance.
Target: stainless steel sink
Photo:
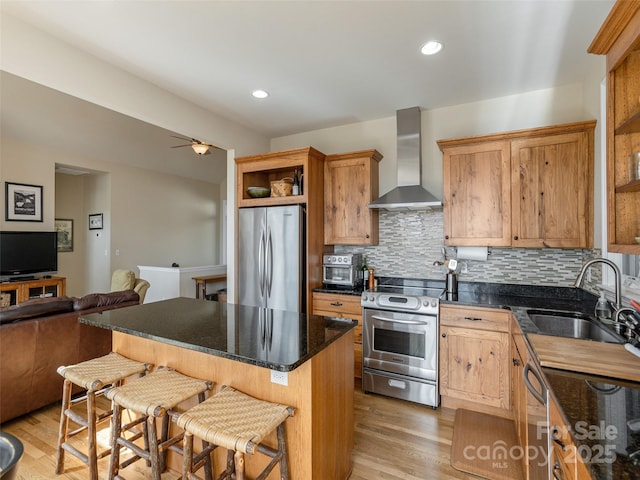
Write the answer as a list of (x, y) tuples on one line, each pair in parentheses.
[(572, 325)]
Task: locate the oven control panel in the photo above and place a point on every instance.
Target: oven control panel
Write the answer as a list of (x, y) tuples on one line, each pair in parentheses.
[(400, 303)]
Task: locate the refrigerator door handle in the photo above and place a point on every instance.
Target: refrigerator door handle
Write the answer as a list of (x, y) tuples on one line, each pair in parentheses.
[(269, 272), (261, 264)]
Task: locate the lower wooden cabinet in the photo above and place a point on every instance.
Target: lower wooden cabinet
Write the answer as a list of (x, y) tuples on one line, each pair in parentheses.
[(475, 359), (343, 306), (566, 462)]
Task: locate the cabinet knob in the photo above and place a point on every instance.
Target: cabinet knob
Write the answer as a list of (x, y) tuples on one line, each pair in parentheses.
[(515, 237), (516, 362), (446, 237), (444, 335), (366, 235)]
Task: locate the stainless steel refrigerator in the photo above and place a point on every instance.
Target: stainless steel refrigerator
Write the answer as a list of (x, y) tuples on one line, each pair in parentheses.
[(271, 257)]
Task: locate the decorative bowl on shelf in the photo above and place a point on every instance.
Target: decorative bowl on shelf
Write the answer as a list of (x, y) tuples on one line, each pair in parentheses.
[(637, 240), (258, 192)]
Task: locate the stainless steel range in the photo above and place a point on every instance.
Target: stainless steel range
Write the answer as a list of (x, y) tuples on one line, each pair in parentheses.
[(400, 343)]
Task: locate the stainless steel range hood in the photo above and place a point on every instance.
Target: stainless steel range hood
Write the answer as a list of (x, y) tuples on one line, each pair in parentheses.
[(409, 194)]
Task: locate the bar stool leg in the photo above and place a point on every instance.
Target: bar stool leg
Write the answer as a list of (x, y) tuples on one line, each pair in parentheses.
[(114, 462), (157, 465), (64, 427), (282, 449), (238, 458), (91, 429), (187, 455)]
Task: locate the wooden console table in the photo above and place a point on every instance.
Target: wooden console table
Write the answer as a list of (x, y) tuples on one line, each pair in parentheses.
[(201, 283)]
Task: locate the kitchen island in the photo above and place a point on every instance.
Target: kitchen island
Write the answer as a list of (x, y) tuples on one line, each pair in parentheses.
[(250, 348)]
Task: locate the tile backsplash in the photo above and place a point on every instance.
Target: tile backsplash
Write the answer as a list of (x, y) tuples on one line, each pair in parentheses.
[(410, 243)]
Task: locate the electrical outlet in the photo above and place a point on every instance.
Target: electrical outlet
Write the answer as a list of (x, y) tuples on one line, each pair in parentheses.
[(281, 378)]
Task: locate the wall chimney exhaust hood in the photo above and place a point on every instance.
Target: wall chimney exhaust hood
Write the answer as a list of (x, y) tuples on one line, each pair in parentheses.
[(409, 194)]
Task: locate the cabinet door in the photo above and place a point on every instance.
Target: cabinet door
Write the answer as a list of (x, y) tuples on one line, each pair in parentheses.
[(474, 366), (343, 306), (350, 185), (519, 357), (477, 200), (551, 191)]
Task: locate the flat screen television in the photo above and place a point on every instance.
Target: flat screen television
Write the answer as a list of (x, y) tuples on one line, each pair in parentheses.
[(27, 253)]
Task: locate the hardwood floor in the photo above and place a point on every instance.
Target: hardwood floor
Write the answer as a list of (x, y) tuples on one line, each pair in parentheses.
[(394, 440)]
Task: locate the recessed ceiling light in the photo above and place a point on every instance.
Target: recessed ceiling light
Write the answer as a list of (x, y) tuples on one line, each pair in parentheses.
[(260, 94), (431, 48)]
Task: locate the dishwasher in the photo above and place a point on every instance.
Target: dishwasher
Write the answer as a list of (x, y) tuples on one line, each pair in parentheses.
[(537, 421)]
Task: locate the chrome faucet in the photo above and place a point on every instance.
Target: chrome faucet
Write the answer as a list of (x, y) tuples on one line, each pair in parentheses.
[(616, 271)]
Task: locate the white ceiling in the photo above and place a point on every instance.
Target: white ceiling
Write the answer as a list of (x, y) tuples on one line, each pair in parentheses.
[(328, 63)]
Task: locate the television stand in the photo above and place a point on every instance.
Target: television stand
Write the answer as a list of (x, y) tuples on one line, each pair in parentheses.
[(26, 278), (20, 290)]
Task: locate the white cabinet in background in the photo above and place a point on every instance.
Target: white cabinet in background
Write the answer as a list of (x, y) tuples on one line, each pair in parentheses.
[(170, 282)]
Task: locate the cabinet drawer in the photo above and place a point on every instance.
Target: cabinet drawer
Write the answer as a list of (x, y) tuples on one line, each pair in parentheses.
[(475, 317), (337, 305), (564, 456)]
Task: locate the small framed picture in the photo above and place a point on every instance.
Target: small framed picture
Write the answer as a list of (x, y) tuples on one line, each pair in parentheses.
[(23, 202), (64, 228), (95, 221)]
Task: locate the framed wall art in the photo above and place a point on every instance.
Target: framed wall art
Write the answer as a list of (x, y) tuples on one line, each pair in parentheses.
[(95, 221), (23, 202), (64, 229)]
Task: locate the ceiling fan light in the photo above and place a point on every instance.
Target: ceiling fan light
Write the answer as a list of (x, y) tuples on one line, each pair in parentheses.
[(199, 148)]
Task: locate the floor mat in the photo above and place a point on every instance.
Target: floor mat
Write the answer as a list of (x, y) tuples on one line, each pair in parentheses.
[(483, 445)]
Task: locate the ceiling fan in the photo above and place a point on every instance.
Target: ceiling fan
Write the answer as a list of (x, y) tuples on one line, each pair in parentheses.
[(201, 148)]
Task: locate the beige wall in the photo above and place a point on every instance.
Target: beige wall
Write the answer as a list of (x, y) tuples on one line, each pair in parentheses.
[(149, 218), (69, 189)]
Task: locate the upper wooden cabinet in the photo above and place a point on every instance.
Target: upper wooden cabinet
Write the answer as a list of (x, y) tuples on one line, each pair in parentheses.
[(477, 191), (619, 39), (261, 170), (350, 185), (526, 188)]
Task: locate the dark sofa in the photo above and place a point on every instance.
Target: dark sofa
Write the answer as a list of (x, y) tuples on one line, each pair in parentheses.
[(37, 336)]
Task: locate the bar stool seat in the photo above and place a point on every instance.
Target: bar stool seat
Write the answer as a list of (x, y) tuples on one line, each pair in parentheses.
[(152, 396), (238, 422), (92, 376)]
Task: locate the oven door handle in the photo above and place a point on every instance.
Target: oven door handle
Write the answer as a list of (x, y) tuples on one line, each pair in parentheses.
[(395, 320)]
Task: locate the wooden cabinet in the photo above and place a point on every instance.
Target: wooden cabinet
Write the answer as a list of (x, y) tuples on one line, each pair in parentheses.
[(475, 357), (527, 188), (350, 185), (565, 458), (19, 292), (519, 357), (477, 193), (343, 306), (260, 170), (619, 39)]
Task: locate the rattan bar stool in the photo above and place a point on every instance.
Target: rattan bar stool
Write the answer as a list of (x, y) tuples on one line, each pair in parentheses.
[(150, 397), (93, 376), (237, 422)]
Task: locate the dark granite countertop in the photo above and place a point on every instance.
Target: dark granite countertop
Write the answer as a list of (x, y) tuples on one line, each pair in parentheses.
[(600, 412), (274, 339), (340, 290)]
